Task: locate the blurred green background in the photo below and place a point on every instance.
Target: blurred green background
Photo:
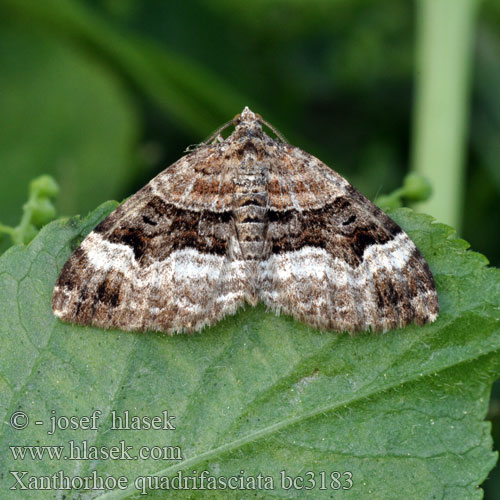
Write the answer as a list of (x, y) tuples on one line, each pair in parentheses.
[(104, 94)]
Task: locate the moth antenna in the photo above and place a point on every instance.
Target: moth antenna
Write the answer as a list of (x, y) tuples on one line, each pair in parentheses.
[(213, 137), (276, 132)]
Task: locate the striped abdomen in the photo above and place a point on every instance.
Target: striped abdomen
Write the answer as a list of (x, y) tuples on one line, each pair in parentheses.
[(250, 209)]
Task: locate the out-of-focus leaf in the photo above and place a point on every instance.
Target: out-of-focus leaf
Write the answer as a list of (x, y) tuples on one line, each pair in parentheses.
[(63, 115), (193, 95)]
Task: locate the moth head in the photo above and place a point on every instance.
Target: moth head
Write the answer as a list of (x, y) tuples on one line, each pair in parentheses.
[(247, 117), (249, 121)]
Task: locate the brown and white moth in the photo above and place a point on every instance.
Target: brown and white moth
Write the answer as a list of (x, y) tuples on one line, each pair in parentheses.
[(246, 219)]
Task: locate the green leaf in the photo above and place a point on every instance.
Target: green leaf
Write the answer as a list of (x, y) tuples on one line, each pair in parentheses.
[(403, 411)]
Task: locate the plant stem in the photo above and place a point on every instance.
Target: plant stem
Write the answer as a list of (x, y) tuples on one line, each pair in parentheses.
[(444, 42), (6, 229)]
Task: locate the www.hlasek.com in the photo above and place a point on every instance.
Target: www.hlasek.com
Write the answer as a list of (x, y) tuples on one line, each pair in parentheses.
[(203, 480), (82, 450)]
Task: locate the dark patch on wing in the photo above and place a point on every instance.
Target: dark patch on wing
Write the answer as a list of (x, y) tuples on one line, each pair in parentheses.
[(365, 237), (147, 220), (160, 228), (82, 297), (105, 225), (72, 269), (108, 292), (350, 220), (344, 228), (134, 237)]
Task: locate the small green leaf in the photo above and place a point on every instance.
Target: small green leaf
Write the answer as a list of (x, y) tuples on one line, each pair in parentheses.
[(416, 187), (37, 211), (402, 411), (42, 211), (44, 187)]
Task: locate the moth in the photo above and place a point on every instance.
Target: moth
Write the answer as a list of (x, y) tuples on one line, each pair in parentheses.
[(246, 219)]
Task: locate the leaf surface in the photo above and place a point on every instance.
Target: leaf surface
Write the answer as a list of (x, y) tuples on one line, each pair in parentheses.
[(402, 411)]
